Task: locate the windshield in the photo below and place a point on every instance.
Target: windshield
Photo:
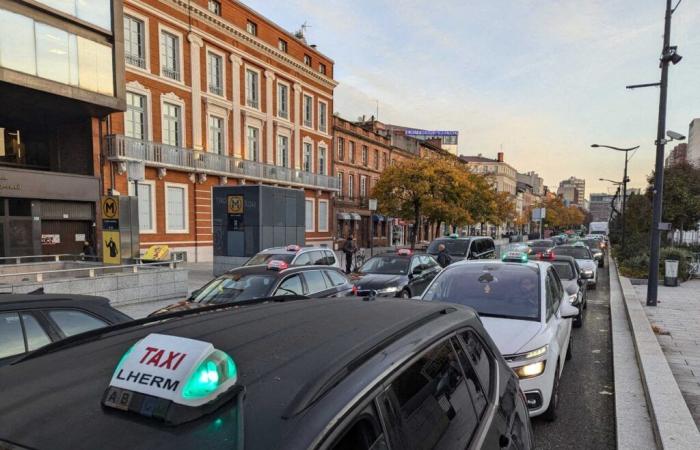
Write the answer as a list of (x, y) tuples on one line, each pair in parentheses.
[(576, 252), (388, 265), (544, 243), (264, 258), (564, 270), (504, 290), (235, 287), (455, 247)]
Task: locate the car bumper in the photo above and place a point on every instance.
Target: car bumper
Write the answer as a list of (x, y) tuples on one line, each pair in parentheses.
[(538, 390)]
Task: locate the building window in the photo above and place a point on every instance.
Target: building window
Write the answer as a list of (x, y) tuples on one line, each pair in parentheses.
[(386, 160), (215, 7), (282, 100), (351, 186), (170, 55), (309, 217), (351, 150), (363, 186), (282, 45), (323, 215), (253, 143), (322, 68), (308, 111), (176, 209), (340, 182), (307, 60), (147, 208), (216, 135), (322, 160), (283, 151), (252, 88), (322, 118), (96, 12), (376, 159), (307, 157), (134, 42), (341, 149), (215, 74), (172, 124), (251, 28), (135, 119), (365, 152)]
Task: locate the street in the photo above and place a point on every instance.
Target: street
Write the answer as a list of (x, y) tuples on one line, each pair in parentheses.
[(586, 417)]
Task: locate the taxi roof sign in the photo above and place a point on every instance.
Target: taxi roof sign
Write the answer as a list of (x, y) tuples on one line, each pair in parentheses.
[(184, 371), (515, 256), (404, 252), (277, 264)]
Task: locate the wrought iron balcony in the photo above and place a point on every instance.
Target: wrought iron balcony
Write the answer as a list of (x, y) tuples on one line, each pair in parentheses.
[(135, 60), (155, 154)]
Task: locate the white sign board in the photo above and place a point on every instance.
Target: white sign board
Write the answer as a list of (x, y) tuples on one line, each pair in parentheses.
[(80, 237), (160, 365), (50, 239), (539, 214), (372, 204)]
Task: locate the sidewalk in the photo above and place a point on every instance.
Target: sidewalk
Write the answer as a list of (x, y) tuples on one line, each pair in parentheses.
[(677, 322)]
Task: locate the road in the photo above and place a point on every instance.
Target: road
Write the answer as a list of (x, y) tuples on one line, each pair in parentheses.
[(586, 411)]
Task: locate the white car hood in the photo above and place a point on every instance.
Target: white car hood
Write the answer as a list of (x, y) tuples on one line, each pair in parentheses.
[(587, 264), (510, 335)]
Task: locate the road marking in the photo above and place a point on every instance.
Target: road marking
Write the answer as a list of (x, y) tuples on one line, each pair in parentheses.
[(596, 351)]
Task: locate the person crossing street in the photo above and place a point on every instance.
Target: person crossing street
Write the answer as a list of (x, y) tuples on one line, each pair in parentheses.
[(349, 249), (443, 258)]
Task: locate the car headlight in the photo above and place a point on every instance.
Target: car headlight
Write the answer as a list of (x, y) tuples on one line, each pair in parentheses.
[(536, 352), (388, 290), (587, 272), (530, 370)]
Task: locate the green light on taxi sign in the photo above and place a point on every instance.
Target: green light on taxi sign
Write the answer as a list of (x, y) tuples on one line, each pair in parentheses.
[(217, 369)]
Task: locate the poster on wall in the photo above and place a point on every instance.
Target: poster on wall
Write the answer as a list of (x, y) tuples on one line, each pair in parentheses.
[(111, 253), (50, 239)]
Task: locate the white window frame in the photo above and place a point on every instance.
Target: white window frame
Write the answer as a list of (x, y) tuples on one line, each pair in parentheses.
[(277, 112), (323, 229), (154, 196), (253, 31), (247, 141), (137, 88), (279, 150), (223, 57), (324, 147), (341, 182), (181, 57), (363, 186), (351, 186), (311, 157), (174, 99), (282, 43), (147, 43), (340, 140), (224, 131), (186, 188), (211, 10), (304, 96), (313, 215), (246, 68), (325, 103)]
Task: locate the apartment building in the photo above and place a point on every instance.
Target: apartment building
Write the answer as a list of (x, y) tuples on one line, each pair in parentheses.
[(503, 175), (573, 190), (218, 95), (61, 75)]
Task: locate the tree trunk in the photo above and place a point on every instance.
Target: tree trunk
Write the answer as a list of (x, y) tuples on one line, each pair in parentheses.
[(416, 225)]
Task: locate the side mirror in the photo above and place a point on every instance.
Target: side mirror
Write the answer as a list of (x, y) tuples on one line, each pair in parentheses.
[(571, 289), (417, 270), (568, 311)]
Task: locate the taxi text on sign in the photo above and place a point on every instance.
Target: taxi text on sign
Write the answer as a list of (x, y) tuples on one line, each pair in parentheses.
[(235, 204), (160, 365)]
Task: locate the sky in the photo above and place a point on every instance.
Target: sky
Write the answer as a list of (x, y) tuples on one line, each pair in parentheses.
[(540, 79)]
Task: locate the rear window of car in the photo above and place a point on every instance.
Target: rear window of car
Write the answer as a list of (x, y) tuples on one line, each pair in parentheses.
[(394, 265), (564, 270), (576, 252), (502, 290), (264, 258), (236, 287), (455, 247), (543, 243), (73, 322), (336, 278)]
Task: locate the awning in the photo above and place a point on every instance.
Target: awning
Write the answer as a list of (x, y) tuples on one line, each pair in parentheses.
[(343, 216), (355, 216), (378, 218)]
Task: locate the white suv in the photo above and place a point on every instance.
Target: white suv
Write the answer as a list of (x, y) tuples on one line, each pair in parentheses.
[(295, 255), (525, 309)]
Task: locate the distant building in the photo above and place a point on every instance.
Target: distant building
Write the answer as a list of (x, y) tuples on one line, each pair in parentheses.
[(448, 140), (534, 180), (503, 174), (678, 155), (601, 204), (575, 196), (693, 151)]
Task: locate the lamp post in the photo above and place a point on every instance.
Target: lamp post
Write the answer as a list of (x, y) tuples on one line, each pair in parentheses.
[(613, 209), (625, 180)]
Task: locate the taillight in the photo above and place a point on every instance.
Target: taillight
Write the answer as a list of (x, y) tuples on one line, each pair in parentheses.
[(354, 290)]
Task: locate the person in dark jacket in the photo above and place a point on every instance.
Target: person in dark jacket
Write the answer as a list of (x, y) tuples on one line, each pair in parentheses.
[(88, 251), (349, 248), (443, 258)]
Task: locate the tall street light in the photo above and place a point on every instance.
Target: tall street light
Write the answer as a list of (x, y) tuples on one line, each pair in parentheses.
[(625, 179), (612, 205)]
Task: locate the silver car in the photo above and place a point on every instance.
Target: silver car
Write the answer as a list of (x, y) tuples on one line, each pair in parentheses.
[(583, 256)]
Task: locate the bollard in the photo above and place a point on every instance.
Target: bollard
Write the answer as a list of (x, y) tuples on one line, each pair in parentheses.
[(92, 273), (135, 269), (671, 273), (57, 258), (39, 277)]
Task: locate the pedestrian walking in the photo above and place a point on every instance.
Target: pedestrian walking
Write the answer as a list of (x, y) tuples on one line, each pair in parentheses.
[(443, 258), (349, 248), (88, 251)]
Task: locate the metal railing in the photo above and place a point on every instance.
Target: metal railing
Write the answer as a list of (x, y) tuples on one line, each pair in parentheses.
[(171, 73), (120, 147), (88, 272), (135, 60), (216, 89), (63, 257)]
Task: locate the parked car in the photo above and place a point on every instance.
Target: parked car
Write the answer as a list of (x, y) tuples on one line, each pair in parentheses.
[(597, 247), (273, 280), (296, 255), (540, 246), (322, 374), (584, 259), (459, 248), (28, 322), (402, 274), (525, 310), (570, 276)]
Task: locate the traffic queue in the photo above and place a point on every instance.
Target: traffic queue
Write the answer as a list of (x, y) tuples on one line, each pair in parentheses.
[(451, 348)]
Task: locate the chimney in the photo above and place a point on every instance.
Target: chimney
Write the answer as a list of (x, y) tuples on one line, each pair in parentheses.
[(500, 156)]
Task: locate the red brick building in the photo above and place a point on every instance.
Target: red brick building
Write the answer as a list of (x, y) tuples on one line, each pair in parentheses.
[(218, 95)]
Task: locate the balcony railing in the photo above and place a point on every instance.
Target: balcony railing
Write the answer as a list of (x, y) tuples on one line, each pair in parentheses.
[(171, 73), (155, 154), (216, 89), (135, 60)]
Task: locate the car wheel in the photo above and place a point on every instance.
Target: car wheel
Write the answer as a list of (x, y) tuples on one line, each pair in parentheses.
[(405, 294), (570, 349), (601, 263), (594, 286), (550, 415), (577, 322)]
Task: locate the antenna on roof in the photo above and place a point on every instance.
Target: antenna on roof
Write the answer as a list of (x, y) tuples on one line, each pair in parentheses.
[(301, 33)]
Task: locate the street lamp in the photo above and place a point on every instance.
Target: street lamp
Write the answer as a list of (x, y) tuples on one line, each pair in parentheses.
[(625, 180), (616, 183)]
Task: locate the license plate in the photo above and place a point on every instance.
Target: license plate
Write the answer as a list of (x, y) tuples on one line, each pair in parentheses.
[(118, 398)]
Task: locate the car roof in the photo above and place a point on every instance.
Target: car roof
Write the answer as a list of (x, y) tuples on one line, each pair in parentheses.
[(288, 356), (17, 301), (261, 269), (283, 250), (474, 262)]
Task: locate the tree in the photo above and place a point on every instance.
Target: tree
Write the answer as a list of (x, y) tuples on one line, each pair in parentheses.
[(681, 203)]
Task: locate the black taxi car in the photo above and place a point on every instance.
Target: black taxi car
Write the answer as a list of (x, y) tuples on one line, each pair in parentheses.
[(402, 273), (275, 279), (301, 374)]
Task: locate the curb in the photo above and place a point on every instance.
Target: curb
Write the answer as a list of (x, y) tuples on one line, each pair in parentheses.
[(673, 425)]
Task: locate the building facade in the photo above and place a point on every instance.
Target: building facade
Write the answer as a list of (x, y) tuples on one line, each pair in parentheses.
[(503, 175), (679, 155), (360, 157), (693, 150), (218, 95), (532, 179), (61, 76), (573, 190)]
